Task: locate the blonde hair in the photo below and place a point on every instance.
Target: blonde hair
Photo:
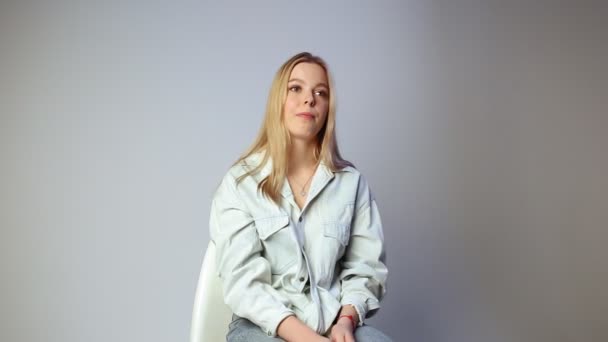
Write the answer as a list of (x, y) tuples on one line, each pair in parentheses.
[(274, 140)]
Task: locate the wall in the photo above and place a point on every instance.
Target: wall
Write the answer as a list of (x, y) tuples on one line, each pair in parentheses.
[(480, 125)]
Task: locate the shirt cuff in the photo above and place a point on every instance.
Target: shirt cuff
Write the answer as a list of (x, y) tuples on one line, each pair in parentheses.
[(271, 329), (362, 304)]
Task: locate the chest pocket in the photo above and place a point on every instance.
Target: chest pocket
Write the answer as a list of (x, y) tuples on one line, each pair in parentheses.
[(340, 226), (338, 231), (277, 239)]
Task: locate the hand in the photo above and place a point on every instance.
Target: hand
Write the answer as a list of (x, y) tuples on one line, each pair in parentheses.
[(342, 331)]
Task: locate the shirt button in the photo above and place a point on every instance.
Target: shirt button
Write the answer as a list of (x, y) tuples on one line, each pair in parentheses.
[(301, 279), (300, 219)]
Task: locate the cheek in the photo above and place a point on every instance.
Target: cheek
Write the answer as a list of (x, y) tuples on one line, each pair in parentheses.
[(324, 109), (289, 105), (286, 105)]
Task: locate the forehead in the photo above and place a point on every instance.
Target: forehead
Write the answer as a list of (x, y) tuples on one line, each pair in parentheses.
[(309, 73)]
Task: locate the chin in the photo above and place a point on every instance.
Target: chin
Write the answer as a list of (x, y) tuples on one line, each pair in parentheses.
[(303, 136)]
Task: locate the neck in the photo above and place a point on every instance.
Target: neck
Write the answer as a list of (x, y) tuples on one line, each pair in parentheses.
[(301, 155)]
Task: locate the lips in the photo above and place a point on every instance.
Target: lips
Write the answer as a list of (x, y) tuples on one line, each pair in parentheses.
[(306, 115)]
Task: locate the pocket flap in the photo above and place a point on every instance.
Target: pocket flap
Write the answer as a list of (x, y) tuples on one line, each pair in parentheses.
[(269, 225), (338, 231)]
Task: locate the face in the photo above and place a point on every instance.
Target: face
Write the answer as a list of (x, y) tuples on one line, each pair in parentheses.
[(307, 101)]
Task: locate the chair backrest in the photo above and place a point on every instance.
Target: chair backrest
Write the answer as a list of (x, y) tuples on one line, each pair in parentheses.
[(210, 315)]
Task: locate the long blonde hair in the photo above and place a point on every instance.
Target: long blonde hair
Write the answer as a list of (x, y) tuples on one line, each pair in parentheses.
[(274, 140)]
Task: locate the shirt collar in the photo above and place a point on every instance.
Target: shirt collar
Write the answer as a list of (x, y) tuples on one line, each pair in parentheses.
[(323, 174), (321, 177)]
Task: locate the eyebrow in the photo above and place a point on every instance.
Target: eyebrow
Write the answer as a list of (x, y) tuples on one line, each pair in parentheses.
[(299, 80)]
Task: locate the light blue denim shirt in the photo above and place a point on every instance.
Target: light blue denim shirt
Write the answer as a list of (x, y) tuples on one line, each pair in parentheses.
[(276, 261)]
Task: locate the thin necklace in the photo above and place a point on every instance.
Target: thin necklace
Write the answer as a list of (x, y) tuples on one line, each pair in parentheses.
[(302, 191)]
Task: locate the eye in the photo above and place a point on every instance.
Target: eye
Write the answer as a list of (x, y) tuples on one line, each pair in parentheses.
[(321, 92), (295, 88)]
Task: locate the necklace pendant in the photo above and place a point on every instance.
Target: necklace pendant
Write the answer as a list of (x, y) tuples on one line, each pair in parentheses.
[(302, 193)]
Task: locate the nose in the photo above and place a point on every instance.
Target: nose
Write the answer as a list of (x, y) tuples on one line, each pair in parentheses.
[(309, 99)]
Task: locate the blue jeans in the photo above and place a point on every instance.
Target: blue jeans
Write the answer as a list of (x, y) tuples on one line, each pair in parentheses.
[(243, 330)]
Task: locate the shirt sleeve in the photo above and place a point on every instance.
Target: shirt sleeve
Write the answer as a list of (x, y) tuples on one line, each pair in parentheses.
[(364, 272), (244, 272)]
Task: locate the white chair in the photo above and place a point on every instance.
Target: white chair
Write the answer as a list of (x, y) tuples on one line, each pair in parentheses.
[(210, 316)]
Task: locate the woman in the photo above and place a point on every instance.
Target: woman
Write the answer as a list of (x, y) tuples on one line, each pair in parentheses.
[(299, 240)]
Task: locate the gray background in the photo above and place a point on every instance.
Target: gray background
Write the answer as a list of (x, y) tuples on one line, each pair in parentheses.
[(480, 125)]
